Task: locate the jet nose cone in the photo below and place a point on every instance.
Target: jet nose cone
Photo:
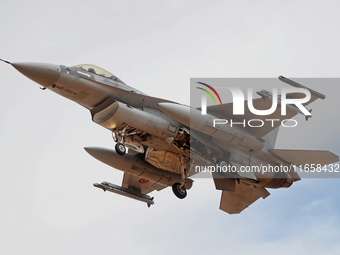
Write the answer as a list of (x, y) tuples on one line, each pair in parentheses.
[(44, 74)]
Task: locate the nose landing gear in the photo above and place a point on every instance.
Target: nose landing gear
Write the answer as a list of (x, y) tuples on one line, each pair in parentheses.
[(120, 148)]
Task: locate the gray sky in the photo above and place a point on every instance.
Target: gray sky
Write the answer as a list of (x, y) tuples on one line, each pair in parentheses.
[(49, 205)]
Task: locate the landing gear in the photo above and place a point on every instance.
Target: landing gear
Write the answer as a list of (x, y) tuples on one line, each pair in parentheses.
[(120, 149), (224, 169), (222, 163), (179, 191), (179, 188)]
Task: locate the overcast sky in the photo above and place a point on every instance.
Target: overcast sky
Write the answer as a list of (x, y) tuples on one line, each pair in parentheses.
[(48, 203)]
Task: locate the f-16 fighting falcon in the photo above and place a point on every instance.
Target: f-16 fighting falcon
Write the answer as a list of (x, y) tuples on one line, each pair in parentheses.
[(158, 143)]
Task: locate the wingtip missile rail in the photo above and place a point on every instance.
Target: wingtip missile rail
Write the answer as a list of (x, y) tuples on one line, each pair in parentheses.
[(298, 85)]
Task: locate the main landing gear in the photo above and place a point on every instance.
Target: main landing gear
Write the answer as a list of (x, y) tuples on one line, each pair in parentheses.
[(179, 188), (179, 191), (119, 147)]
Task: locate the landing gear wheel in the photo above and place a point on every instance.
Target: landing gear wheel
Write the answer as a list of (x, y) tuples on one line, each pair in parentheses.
[(120, 148), (178, 191), (222, 163)]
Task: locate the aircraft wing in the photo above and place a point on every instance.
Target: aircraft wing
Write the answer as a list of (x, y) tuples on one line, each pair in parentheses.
[(234, 202), (225, 111), (139, 100), (139, 184)]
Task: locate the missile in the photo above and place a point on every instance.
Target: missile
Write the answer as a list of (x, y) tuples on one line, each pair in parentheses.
[(298, 85), (136, 165), (210, 125), (106, 186)]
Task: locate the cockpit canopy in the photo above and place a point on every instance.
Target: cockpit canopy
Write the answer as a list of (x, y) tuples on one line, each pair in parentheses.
[(99, 71)]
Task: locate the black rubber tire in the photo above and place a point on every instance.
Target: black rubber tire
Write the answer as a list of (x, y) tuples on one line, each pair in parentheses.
[(120, 149), (180, 193), (222, 162)]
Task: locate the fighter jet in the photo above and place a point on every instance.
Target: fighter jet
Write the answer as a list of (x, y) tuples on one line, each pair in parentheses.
[(166, 141)]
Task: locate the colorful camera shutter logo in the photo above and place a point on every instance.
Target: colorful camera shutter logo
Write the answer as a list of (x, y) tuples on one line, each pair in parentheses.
[(209, 93)]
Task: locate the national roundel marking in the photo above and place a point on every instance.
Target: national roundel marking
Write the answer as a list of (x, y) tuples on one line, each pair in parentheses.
[(143, 181)]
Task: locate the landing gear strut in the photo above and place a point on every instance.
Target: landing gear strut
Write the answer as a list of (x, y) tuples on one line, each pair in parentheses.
[(120, 147), (179, 188)]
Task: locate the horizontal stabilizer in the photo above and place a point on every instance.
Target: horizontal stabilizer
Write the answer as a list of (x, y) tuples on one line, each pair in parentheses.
[(224, 183), (294, 175), (305, 158), (234, 202)]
